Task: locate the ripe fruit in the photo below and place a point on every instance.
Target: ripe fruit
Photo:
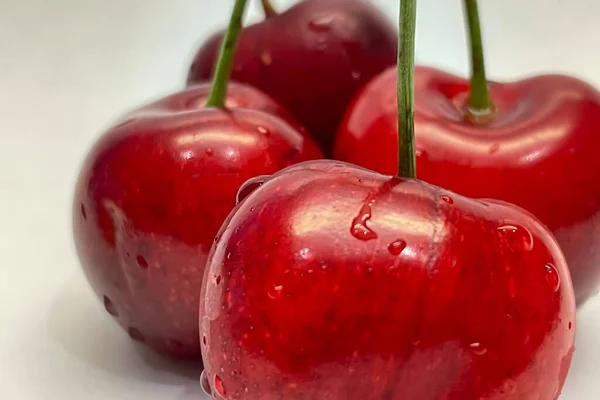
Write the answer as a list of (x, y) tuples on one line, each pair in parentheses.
[(154, 191), (332, 281)]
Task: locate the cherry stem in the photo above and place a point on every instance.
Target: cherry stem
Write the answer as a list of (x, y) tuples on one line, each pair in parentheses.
[(406, 90), (225, 60), (268, 9), (479, 96)]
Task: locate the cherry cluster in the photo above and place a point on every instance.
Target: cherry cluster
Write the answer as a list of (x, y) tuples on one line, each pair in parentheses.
[(316, 218)]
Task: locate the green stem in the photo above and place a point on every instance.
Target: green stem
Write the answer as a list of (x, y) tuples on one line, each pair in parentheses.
[(225, 60), (479, 97), (406, 90), (268, 9)]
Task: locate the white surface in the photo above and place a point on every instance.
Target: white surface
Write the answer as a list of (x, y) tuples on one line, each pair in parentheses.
[(68, 67)]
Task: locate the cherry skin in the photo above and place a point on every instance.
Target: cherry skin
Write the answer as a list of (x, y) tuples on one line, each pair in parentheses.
[(153, 193), (239, 95), (538, 150), (312, 58), (334, 282)]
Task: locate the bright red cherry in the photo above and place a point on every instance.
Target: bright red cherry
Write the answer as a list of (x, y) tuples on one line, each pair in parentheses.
[(330, 281), (536, 149), (154, 191), (312, 58), (334, 282)]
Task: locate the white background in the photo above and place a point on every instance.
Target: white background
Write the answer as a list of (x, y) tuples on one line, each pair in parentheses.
[(69, 67)]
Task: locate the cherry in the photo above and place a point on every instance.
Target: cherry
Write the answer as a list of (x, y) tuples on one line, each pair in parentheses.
[(312, 58), (534, 145), (154, 191), (331, 281)]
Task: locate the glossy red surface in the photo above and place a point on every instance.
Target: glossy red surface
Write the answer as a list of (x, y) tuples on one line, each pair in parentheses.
[(239, 95), (539, 151), (312, 58), (153, 193), (334, 282)]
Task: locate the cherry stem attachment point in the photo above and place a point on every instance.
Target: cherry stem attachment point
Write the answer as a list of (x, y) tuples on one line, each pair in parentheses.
[(407, 163), (224, 64), (268, 9), (479, 103)]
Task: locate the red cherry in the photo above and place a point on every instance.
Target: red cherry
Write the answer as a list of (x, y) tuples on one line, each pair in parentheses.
[(153, 193), (459, 299), (312, 58), (538, 151)]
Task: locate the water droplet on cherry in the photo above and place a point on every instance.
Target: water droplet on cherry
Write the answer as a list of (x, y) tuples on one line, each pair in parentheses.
[(396, 247), (135, 334), (356, 75), (362, 232), (359, 228), (218, 280), (447, 199), (261, 129), (249, 187), (477, 349), (141, 261), (418, 152), (209, 152), (110, 307), (83, 212), (219, 386), (204, 339), (205, 384), (552, 277), (321, 23), (517, 235), (275, 292)]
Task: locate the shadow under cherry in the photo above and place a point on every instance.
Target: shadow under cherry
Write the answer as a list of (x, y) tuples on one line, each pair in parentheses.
[(79, 325)]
